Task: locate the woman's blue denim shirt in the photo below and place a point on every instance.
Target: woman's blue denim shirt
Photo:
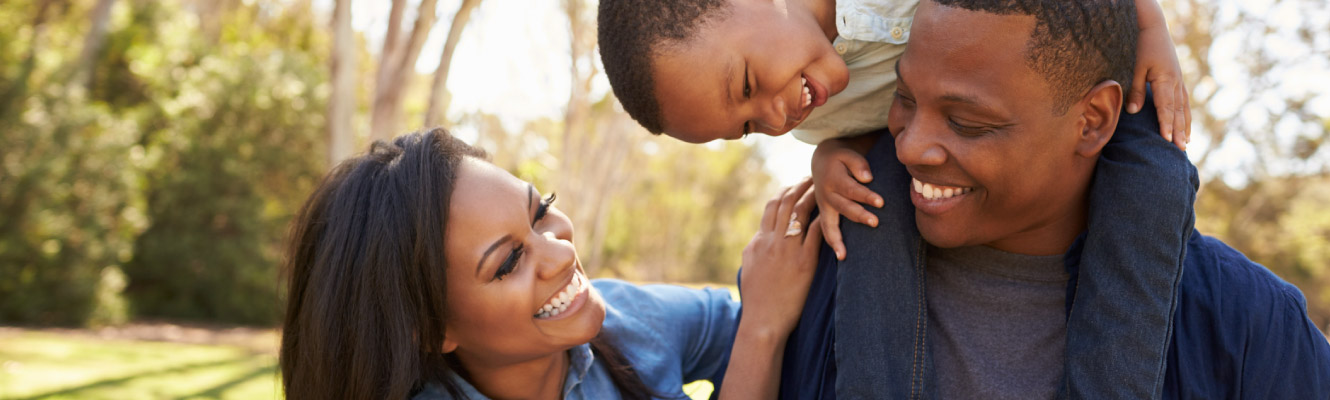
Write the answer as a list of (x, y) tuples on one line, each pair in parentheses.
[(671, 335)]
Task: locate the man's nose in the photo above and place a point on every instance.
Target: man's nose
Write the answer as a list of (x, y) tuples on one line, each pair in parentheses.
[(916, 144)]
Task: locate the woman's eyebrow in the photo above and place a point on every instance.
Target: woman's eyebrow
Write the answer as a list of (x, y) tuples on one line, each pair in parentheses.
[(481, 264), (530, 194)]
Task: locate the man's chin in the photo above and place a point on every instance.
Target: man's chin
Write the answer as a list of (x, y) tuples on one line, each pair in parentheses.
[(941, 236)]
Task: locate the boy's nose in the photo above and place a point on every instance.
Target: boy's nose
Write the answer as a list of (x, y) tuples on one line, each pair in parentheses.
[(773, 118)]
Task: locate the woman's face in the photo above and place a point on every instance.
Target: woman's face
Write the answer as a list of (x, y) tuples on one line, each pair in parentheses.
[(516, 290)]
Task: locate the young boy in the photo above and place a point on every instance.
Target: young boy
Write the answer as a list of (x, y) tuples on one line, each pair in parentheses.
[(700, 70)]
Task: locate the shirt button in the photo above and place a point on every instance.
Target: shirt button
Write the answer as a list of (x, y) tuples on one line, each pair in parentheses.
[(897, 33), (841, 48)]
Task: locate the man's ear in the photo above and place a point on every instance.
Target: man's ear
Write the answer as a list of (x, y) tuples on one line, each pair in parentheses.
[(1099, 117)]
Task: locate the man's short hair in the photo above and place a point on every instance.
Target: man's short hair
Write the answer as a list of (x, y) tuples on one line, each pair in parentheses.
[(631, 32), (1075, 44)]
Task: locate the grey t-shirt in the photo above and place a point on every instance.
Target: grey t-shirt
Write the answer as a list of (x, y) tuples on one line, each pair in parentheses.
[(997, 323)]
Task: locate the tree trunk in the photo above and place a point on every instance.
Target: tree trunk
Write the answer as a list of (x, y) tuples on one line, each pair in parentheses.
[(438, 95), (92, 43), (342, 101), (395, 68)]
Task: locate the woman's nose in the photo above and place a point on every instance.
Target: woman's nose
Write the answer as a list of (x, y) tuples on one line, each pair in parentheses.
[(554, 256)]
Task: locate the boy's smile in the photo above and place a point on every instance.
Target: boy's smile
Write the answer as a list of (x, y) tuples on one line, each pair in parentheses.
[(759, 67)]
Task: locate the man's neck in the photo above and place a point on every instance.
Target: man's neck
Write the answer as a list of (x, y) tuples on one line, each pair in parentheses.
[(1050, 238), (541, 378)]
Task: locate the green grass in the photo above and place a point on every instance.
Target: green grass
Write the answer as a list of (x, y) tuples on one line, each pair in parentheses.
[(44, 365), (40, 365)]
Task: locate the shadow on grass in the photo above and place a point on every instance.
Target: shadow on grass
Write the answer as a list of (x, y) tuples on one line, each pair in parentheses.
[(216, 391), (176, 369)]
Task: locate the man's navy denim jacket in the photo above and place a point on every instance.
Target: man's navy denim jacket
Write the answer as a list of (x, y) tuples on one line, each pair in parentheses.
[(1239, 332)]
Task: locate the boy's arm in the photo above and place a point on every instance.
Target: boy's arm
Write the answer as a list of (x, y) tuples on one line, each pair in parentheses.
[(1157, 62), (840, 173)]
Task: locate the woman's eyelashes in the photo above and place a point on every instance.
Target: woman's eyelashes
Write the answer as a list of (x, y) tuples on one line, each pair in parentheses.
[(510, 263)]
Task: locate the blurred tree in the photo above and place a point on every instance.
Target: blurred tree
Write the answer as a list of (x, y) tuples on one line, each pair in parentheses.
[(234, 149), (397, 63), (68, 169), (1265, 175), (438, 95), (92, 43), (342, 100)]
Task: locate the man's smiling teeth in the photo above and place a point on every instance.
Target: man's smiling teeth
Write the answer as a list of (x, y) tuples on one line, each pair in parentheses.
[(808, 96), (931, 192), (559, 303)]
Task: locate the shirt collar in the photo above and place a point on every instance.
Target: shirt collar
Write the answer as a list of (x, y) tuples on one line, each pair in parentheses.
[(580, 360)]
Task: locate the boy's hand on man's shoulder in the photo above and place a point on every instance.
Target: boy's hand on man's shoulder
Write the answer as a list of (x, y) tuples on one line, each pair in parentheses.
[(840, 174)]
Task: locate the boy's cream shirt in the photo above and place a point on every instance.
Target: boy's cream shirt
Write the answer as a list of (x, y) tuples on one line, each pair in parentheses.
[(872, 36)]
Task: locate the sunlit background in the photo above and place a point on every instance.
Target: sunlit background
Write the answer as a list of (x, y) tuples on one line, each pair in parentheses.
[(152, 153)]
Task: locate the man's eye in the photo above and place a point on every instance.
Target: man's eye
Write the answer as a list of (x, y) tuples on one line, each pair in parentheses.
[(968, 130), (905, 100)]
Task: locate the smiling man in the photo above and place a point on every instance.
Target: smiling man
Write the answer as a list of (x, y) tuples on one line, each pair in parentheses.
[(1002, 110)]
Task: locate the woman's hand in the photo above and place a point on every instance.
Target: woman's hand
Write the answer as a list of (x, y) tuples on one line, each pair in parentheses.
[(779, 262), (778, 266)]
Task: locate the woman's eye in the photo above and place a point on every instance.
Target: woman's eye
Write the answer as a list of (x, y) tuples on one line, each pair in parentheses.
[(544, 207), (510, 263)]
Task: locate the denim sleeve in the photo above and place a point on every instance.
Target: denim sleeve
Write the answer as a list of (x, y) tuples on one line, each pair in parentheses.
[(701, 323), (1286, 356), (1141, 216)]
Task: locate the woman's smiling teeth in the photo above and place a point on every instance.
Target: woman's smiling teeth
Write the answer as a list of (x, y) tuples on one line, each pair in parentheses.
[(558, 303), (931, 192)]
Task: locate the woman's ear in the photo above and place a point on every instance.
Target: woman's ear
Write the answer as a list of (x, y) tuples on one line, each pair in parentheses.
[(449, 345), (1099, 118)]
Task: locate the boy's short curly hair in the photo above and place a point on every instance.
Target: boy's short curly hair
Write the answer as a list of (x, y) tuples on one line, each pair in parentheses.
[(1075, 44), (631, 32)]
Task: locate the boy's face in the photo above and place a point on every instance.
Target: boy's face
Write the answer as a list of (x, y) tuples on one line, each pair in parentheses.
[(973, 121), (747, 72)]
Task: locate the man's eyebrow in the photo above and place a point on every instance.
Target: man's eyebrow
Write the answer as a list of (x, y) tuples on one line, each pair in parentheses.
[(494, 246)]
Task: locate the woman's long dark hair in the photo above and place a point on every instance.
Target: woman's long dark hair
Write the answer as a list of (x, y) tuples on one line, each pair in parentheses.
[(366, 268)]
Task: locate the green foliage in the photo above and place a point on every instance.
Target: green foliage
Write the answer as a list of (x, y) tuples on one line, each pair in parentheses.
[(1281, 223), (235, 153), (67, 177), (689, 213), (180, 164)]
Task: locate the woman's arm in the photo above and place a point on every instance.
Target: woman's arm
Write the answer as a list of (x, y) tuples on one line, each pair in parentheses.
[(778, 266)]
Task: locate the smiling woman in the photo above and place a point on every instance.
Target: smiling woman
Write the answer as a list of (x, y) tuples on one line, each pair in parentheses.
[(420, 270)]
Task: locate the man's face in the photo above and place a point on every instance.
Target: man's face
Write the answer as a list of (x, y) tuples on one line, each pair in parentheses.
[(761, 68), (975, 127)]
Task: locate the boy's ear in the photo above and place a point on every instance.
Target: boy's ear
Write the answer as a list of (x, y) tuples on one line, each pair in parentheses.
[(1099, 117)]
